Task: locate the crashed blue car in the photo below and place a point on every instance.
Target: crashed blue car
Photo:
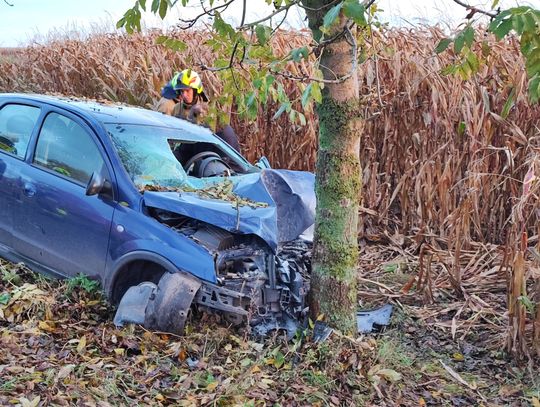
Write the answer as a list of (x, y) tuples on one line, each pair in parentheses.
[(167, 216)]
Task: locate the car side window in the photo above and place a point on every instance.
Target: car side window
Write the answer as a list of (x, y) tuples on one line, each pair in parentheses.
[(65, 147), (16, 125)]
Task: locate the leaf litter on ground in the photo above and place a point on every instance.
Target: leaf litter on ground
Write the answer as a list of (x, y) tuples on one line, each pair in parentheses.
[(60, 347)]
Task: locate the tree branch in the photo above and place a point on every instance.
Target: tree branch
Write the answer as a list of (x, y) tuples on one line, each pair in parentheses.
[(281, 22), (210, 12), (326, 6), (306, 78), (269, 16), (243, 13), (367, 3), (474, 10)]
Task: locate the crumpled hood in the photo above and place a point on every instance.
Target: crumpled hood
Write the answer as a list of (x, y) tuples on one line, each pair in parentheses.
[(290, 196)]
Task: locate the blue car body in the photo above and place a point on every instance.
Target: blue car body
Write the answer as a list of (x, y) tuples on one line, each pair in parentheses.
[(125, 235)]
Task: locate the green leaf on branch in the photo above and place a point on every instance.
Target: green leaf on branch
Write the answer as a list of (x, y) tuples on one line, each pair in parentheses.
[(306, 95), (466, 68), (331, 17), (459, 43), (284, 106), (534, 89), (131, 19), (175, 45), (530, 48), (502, 24), (465, 37), (355, 11), (224, 29), (316, 92), (298, 53), (468, 35), (263, 34), (311, 92), (163, 7), (442, 45)]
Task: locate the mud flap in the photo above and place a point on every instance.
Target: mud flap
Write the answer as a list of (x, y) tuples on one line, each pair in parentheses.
[(163, 307)]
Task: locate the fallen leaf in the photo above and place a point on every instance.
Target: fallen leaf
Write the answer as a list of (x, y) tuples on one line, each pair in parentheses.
[(458, 356), (457, 377), (535, 402), (212, 386), (389, 374), (27, 403), (160, 397), (82, 345), (46, 326), (65, 372), (182, 355)]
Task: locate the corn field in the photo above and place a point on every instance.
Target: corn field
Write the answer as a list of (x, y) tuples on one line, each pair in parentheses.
[(449, 166)]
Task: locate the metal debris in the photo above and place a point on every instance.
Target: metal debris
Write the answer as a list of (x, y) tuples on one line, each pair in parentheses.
[(369, 319), (321, 332), (192, 363), (366, 322), (132, 308), (163, 307)]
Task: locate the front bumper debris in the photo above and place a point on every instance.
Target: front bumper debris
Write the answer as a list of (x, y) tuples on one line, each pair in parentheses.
[(162, 307), (267, 292)]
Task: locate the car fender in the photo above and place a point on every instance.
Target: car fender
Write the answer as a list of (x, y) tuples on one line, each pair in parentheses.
[(196, 265)]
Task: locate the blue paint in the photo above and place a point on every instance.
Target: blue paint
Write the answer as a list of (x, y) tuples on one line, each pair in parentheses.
[(47, 220)]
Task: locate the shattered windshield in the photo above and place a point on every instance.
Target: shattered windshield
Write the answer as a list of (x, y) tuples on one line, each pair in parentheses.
[(146, 154)]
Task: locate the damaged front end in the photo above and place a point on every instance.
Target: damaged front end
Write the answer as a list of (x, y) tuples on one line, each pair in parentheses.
[(253, 284), (262, 269)]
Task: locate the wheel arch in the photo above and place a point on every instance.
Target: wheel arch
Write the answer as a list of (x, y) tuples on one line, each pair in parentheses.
[(134, 268)]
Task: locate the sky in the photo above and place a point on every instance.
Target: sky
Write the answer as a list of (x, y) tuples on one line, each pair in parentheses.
[(36, 20)]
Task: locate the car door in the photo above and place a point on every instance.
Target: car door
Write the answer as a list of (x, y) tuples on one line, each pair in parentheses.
[(17, 122), (57, 224)]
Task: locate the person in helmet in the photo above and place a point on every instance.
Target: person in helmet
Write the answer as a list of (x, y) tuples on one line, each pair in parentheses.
[(180, 98)]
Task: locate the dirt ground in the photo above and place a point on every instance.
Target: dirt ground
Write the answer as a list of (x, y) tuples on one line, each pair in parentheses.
[(59, 347)]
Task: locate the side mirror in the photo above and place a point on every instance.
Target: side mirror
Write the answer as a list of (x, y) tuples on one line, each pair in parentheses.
[(263, 163), (97, 185)]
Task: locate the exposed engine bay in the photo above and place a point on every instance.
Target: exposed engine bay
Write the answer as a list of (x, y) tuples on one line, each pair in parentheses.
[(254, 285)]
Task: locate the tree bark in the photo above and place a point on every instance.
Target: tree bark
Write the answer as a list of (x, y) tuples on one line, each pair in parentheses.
[(338, 178)]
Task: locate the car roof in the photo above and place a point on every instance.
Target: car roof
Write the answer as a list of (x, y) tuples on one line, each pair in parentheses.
[(108, 112)]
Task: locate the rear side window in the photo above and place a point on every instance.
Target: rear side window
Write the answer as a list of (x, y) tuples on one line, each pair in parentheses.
[(16, 125), (67, 148)]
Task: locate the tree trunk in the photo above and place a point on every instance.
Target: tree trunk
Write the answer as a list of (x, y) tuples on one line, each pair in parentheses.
[(338, 179)]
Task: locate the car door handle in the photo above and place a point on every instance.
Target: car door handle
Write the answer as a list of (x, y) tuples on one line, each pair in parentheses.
[(29, 189)]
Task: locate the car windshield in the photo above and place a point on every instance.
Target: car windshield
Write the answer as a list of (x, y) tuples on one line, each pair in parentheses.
[(161, 156), (146, 154)]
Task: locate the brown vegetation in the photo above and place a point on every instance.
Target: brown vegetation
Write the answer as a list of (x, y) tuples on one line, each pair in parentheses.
[(448, 165), (60, 347)]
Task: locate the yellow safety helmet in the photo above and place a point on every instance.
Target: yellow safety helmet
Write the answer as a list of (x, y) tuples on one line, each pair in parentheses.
[(188, 78)]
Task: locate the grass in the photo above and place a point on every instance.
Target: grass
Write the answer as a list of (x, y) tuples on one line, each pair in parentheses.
[(392, 353)]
